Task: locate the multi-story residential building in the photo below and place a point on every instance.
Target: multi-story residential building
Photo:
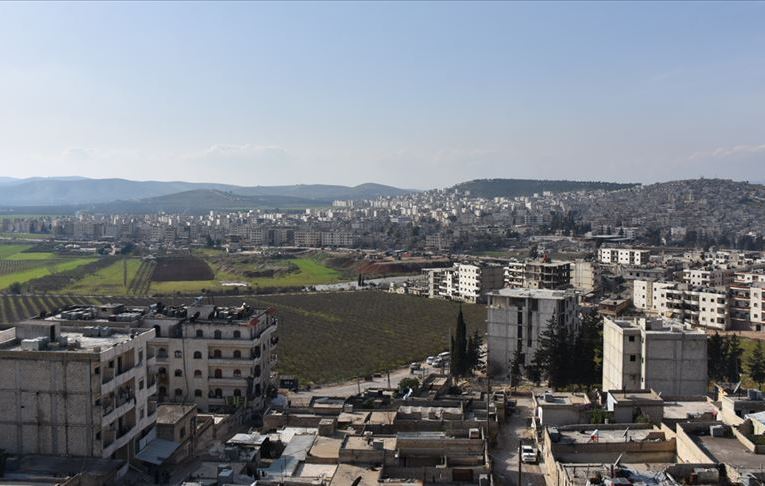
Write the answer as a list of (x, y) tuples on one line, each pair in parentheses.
[(475, 281), (214, 356), (516, 318), (623, 256), (538, 275), (661, 354), (80, 391), (747, 304), (698, 306), (707, 277), (465, 281), (585, 276)]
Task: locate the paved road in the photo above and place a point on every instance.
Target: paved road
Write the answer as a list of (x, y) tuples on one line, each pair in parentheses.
[(505, 454), (352, 387)]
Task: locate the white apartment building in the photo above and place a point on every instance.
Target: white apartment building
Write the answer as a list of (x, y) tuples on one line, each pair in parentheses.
[(707, 277), (623, 256), (81, 391), (661, 354), (515, 319), (465, 282), (216, 357), (698, 306), (747, 301)]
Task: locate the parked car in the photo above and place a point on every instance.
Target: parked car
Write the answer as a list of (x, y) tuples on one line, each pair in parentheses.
[(444, 355), (528, 454), (430, 360), (415, 367)]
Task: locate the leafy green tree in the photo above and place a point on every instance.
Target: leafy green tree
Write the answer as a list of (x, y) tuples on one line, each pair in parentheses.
[(405, 384), (15, 288), (756, 365), (733, 359), (716, 354), (554, 353)]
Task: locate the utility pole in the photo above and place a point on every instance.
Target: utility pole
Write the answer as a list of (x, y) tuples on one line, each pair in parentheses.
[(388, 379), (358, 384)]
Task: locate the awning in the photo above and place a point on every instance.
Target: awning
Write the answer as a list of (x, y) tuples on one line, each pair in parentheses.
[(158, 451)]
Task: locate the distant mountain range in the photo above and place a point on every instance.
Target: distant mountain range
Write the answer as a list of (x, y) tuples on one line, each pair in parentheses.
[(489, 188), (79, 191)]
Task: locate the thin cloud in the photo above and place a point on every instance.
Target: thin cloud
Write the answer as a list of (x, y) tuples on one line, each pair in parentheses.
[(726, 152)]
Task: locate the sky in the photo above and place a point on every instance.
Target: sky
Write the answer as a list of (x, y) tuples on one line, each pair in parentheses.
[(416, 95)]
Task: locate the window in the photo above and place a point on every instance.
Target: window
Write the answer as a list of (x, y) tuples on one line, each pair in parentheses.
[(162, 390), (218, 373), (237, 373), (157, 331), (237, 354), (197, 373), (162, 353), (140, 413), (162, 371), (178, 373), (633, 358), (200, 333), (140, 384), (631, 339), (197, 392), (218, 393), (178, 354), (216, 353), (197, 355), (183, 432), (237, 334), (218, 335), (178, 392), (237, 392)]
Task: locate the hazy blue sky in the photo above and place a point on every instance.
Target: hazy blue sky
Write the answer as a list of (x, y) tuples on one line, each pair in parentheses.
[(411, 94)]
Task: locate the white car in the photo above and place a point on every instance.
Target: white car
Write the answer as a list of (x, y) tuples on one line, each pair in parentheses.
[(528, 454), (429, 360)]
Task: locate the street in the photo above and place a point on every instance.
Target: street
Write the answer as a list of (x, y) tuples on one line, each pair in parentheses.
[(505, 454)]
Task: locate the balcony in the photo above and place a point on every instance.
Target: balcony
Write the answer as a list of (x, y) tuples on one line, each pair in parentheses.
[(121, 409), (231, 361), (228, 380)]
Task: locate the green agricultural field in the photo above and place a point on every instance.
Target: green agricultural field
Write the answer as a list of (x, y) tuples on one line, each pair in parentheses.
[(106, 281), (325, 337), (309, 272), (32, 256), (7, 251), (52, 267)]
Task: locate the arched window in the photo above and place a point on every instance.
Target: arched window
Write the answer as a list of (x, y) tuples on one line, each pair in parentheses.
[(237, 373), (256, 374), (178, 392), (178, 354), (218, 373), (218, 335), (217, 353), (162, 353), (197, 355), (162, 390), (178, 373), (237, 334), (197, 373), (197, 393), (218, 393), (237, 392), (237, 354), (200, 333), (162, 371)]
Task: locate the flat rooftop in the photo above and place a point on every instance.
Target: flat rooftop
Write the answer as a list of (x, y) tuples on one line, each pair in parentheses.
[(583, 436), (682, 409), (358, 442), (348, 473), (730, 451), (171, 414), (562, 399), (531, 293), (648, 474), (628, 396), (87, 343)]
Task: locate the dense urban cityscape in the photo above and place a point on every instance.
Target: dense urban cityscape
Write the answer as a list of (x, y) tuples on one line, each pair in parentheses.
[(382, 243)]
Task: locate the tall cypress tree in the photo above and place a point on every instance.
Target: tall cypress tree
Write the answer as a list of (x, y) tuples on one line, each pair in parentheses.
[(757, 365), (459, 352), (716, 356), (733, 359)]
